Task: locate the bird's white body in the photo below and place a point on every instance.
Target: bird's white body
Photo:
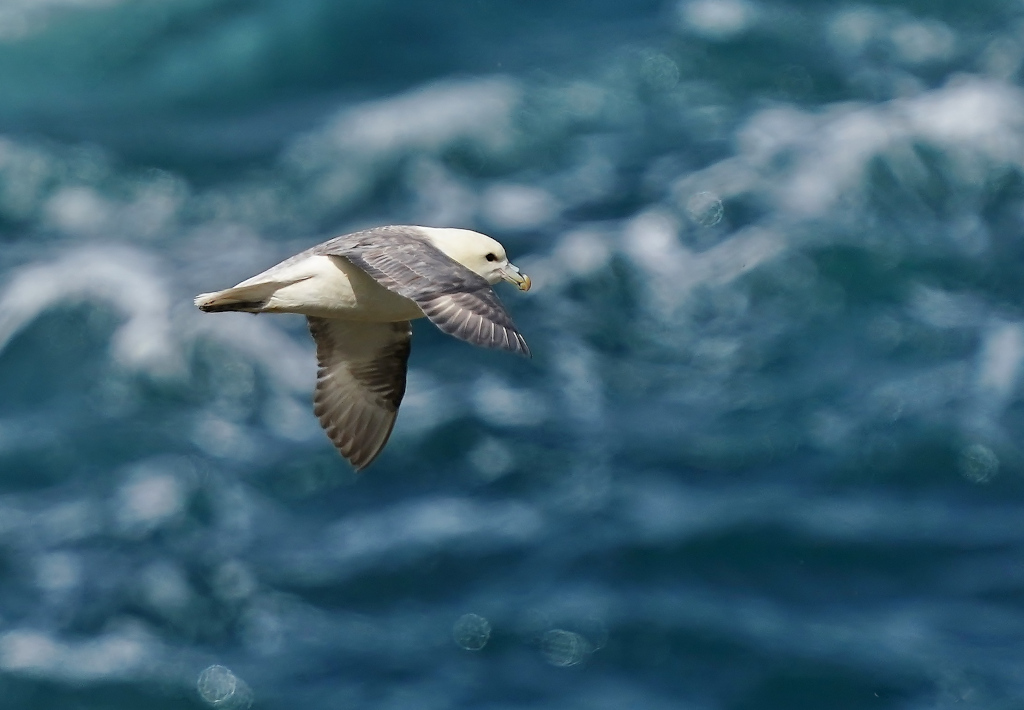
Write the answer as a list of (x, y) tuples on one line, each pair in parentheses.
[(332, 287), (329, 287)]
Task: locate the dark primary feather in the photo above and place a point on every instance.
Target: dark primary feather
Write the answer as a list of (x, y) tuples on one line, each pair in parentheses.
[(458, 301), (360, 383)]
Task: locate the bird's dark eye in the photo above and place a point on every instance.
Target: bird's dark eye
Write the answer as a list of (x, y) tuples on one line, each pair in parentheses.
[(491, 257)]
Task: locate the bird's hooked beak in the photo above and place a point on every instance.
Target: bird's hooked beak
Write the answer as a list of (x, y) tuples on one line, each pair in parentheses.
[(513, 275)]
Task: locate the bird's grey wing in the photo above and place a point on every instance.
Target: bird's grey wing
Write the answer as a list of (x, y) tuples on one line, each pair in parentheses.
[(360, 383), (458, 301)]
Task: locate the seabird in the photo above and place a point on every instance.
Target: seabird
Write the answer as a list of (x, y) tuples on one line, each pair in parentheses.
[(358, 293)]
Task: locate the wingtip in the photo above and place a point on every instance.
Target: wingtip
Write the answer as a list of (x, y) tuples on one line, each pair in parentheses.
[(524, 349), (360, 461)]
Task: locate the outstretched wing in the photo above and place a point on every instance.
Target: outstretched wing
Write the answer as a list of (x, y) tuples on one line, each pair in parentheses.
[(455, 299), (360, 383)]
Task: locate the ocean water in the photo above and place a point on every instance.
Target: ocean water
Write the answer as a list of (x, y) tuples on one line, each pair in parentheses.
[(767, 454)]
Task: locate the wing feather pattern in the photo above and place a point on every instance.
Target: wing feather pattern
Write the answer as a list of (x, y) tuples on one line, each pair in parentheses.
[(458, 301), (360, 383)]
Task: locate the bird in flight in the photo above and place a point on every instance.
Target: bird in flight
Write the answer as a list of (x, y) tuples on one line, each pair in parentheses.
[(359, 293)]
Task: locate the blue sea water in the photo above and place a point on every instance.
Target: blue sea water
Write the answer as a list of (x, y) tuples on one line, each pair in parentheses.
[(767, 454)]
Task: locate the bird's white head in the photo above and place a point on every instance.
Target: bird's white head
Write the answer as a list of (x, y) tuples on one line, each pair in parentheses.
[(478, 253)]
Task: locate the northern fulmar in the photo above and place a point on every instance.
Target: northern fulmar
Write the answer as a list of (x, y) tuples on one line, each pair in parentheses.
[(358, 293)]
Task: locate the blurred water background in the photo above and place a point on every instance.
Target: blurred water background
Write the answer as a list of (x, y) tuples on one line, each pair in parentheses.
[(767, 454)]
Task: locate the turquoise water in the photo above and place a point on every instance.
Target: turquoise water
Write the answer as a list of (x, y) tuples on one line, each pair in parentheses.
[(767, 453)]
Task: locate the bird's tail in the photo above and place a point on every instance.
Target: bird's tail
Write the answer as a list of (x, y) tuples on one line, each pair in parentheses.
[(251, 299)]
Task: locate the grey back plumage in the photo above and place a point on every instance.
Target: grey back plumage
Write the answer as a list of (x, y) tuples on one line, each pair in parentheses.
[(458, 301)]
